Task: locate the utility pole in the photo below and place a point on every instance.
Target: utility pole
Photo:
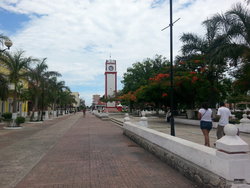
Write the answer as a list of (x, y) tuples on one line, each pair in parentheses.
[(171, 70)]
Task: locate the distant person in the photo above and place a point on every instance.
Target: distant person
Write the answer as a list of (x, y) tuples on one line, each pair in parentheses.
[(168, 115), (205, 116), (84, 112), (224, 114)]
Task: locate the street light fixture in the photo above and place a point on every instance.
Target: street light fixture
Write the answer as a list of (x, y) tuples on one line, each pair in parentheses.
[(42, 99), (8, 43), (171, 72), (172, 130)]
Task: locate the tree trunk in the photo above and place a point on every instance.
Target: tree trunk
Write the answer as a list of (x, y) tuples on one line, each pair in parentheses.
[(14, 98), (34, 108)]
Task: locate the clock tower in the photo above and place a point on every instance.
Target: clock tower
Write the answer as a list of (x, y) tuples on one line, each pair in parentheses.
[(110, 83)]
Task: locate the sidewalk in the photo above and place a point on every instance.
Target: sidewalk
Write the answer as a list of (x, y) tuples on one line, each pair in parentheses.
[(22, 149), (82, 152)]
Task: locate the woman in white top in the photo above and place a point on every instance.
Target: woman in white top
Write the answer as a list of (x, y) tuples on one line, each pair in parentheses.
[(205, 115)]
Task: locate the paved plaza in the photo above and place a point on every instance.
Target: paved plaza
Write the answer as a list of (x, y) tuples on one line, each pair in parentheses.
[(187, 132), (73, 151)]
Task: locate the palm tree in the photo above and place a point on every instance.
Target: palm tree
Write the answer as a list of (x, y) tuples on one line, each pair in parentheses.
[(38, 78), (3, 81), (60, 89), (208, 49), (238, 22), (55, 90), (17, 66), (235, 25), (66, 98), (4, 88)]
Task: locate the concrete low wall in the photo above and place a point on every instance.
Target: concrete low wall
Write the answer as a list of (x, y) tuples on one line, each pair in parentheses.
[(204, 165), (245, 128), (103, 116)]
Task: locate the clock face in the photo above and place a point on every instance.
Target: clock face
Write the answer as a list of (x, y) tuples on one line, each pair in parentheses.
[(111, 68)]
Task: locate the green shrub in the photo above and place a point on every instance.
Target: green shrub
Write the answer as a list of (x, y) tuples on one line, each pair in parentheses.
[(234, 121), (238, 115), (241, 106), (7, 115), (20, 120)]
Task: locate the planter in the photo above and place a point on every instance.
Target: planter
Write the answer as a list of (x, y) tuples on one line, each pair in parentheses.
[(7, 122), (11, 123), (190, 114), (19, 120)]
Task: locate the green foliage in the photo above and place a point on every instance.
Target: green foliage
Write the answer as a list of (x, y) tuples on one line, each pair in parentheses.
[(233, 27), (234, 121), (44, 90), (20, 120), (7, 115), (4, 89), (39, 81), (238, 98), (242, 84), (241, 106), (16, 64), (200, 54), (140, 72), (217, 51), (238, 115), (201, 73)]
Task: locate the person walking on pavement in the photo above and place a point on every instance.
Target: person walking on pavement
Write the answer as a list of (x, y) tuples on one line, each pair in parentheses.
[(168, 115), (205, 116), (84, 111), (224, 114)]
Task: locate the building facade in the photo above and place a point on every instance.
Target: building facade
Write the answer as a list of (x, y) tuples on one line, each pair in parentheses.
[(7, 105), (77, 98), (97, 104)]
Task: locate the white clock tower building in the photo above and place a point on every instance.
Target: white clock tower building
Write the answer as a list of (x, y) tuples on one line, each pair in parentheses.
[(110, 83)]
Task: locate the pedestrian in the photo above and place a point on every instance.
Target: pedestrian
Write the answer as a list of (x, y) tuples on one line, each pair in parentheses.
[(205, 116), (224, 114), (168, 115), (84, 111)]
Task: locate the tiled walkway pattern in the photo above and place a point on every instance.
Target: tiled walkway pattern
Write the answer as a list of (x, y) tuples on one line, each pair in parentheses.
[(95, 154)]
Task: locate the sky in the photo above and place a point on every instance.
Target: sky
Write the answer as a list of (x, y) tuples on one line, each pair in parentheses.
[(78, 36)]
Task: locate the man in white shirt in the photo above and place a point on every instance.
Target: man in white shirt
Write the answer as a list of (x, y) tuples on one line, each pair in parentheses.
[(224, 114)]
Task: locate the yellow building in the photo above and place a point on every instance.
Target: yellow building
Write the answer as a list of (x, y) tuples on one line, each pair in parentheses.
[(7, 105)]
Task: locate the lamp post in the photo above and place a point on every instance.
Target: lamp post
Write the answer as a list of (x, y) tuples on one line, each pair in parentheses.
[(8, 43), (42, 99), (171, 72), (172, 131)]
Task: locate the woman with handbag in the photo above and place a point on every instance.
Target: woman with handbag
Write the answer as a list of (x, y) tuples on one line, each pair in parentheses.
[(205, 116)]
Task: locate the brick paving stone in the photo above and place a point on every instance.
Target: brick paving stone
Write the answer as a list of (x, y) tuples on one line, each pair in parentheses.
[(95, 154), (8, 137), (27, 146)]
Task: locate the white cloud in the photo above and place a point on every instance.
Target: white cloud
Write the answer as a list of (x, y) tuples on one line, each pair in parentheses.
[(77, 36)]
